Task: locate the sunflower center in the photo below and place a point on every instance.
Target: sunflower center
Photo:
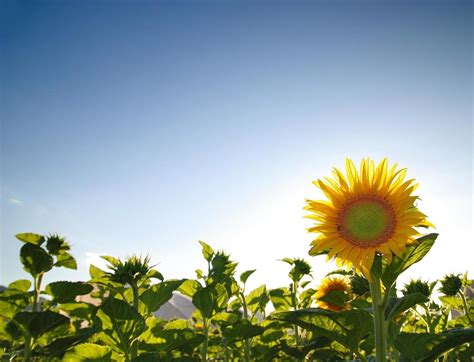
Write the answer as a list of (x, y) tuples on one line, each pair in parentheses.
[(366, 222)]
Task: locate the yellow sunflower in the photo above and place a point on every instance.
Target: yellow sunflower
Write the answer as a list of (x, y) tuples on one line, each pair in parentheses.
[(328, 285), (367, 212)]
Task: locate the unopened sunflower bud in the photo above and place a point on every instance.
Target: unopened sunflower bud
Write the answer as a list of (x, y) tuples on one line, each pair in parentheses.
[(451, 285), (417, 286)]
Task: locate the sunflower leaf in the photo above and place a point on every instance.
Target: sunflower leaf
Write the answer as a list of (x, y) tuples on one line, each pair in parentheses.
[(281, 299), (336, 297), (207, 251), (428, 346), (395, 306), (88, 352), (35, 260), (65, 291), (31, 238), (203, 299), (240, 331), (347, 327), (413, 254), (157, 295), (245, 275)]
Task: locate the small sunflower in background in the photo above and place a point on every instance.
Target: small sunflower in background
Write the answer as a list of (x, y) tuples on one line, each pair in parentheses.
[(368, 211), (332, 294)]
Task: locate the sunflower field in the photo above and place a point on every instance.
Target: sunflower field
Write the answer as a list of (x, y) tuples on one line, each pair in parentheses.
[(369, 224)]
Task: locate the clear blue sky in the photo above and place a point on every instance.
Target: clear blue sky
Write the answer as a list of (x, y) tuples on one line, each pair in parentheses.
[(142, 127)]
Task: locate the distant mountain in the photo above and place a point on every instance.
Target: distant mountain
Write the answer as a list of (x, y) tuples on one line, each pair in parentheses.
[(179, 306)]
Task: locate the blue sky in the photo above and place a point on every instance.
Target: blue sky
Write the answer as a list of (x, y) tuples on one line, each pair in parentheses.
[(142, 127)]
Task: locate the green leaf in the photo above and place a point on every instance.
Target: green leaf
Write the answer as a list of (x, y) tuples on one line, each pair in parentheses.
[(221, 297), (157, 295), (452, 302), (88, 352), (185, 340), (319, 252), (339, 272), (96, 273), (207, 251), (38, 323), (203, 300), (361, 304), (189, 287), (395, 306), (226, 317), (64, 291), (22, 285), (428, 346), (245, 275), (281, 299), (287, 260), (257, 299), (336, 297), (273, 332), (177, 324), (110, 259), (346, 327), (66, 260), (413, 254), (120, 317), (15, 298), (59, 345), (241, 331), (155, 274), (35, 260), (79, 310), (31, 238)]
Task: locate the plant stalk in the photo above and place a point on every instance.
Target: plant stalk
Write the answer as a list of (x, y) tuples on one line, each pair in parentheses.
[(36, 308), (466, 309), (36, 297), (380, 327), (247, 341), (205, 330), (134, 346), (294, 298)]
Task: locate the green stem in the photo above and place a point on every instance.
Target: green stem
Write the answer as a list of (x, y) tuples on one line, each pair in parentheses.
[(428, 328), (428, 317), (27, 350), (380, 327), (360, 356), (226, 354), (247, 341), (295, 307), (205, 330), (466, 309), (37, 291), (134, 346), (36, 308)]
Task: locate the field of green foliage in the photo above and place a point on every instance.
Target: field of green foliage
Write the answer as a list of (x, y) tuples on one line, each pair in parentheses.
[(329, 320)]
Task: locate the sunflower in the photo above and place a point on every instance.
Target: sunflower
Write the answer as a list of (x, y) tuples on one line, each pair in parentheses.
[(367, 212), (328, 285)]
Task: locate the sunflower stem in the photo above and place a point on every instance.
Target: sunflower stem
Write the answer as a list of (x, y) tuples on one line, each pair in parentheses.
[(295, 307), (134, 346), (246, 316), (204, 346), (466, 309), (380, 327)]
